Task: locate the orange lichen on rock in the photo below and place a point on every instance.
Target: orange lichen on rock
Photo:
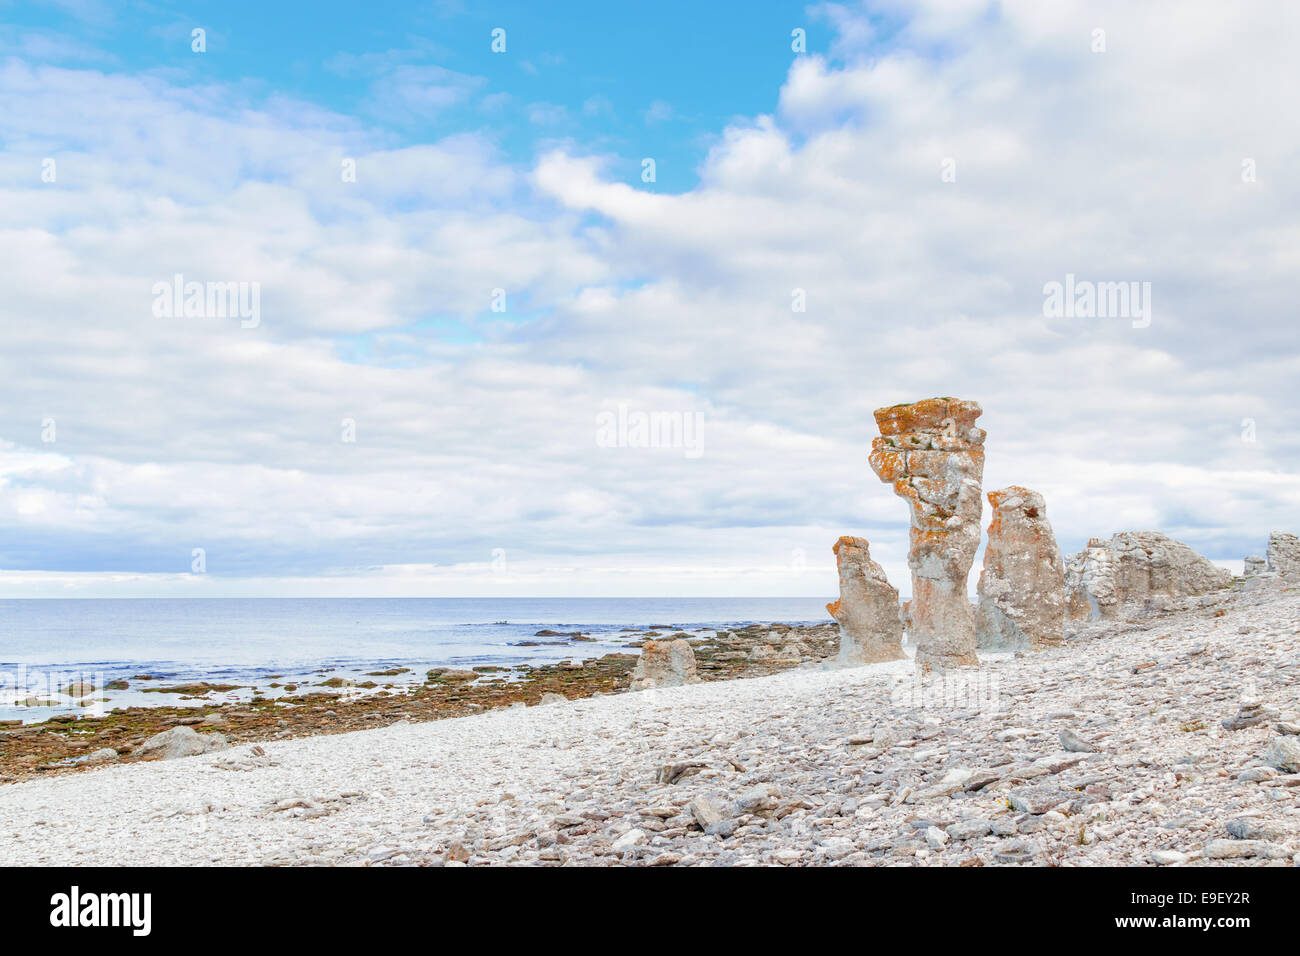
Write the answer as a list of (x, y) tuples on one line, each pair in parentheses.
[(932, 453)]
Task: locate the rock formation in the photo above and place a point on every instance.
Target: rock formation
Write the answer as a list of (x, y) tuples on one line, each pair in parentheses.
[(867, 610), (1254, 564), (933, 454), (1137, 571), (664, 664), (1090, 583), (1022, 587), (1283, 553), (180, 742)]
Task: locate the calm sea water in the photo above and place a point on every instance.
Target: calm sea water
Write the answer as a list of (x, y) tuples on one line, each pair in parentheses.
[(252, 642)]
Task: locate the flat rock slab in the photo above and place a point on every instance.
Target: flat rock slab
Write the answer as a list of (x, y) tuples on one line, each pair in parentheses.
[(1038, 800)]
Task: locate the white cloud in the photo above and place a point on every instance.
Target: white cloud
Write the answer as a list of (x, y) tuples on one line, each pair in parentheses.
[(476, 429)]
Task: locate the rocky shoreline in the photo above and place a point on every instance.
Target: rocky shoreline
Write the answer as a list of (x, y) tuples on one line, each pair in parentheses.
[(71, 743), (1170, 739)]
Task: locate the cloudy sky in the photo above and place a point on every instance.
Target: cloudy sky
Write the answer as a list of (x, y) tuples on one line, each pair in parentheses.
[(463, 263)]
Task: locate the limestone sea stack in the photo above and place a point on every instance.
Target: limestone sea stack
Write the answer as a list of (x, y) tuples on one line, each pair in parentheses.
[(1022, 586), (867, 611), (933, 454), (1136, 572)]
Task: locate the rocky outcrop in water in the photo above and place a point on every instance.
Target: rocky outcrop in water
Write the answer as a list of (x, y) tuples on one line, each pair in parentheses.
[(867, 611), (665, 664), (1022, 586), (932, 453), (1136, 572)]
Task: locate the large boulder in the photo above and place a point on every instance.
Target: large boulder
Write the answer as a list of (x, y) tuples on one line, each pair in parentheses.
[(664, 664), (1137, 571), (181, 742), (867, 612), (932, 454), (1283, 553), (1022, 586), (1090, 583)]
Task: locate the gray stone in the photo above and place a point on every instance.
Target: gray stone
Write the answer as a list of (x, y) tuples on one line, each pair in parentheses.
[(970, 829), (1074, 743), (1242, 849), (1284, 753), (103, 755), (628, 840), (181, 742), (1283, 553), (665, 664), (1017, 851), (758, 799), (1039, 799), (709, 810), (1248, 828), (935, 838)]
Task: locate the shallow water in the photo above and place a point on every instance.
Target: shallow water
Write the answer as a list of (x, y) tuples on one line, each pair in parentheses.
[(47, 644)]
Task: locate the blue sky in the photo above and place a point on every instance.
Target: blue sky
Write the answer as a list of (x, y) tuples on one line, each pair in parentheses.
[(415, 409), (635, 80)]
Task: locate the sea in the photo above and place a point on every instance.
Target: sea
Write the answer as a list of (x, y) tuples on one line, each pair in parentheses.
[(48, 645)]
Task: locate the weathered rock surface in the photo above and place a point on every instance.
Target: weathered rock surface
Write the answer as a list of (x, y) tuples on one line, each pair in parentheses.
[(1254, 564), (867, 611), (1283, 553), (665, 664), (932, 453), (1283, 753), (1136, 572), (1022, 586), (181, 742), (1090, 583)]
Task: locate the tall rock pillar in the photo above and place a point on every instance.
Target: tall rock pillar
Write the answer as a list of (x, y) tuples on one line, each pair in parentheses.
[(867, 611), (933, 454), (1022, 586)]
